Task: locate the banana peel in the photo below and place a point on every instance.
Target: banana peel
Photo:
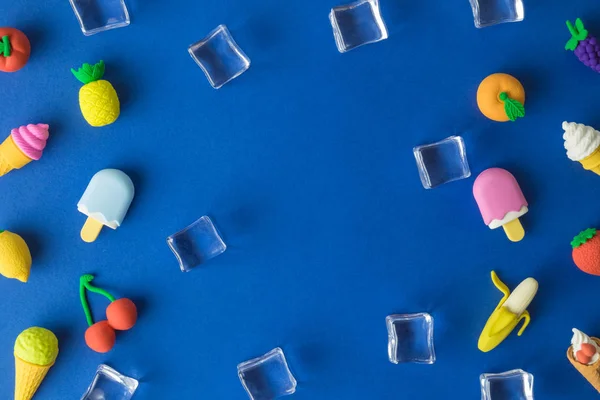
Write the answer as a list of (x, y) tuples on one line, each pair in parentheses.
[(15, 257), (509, 312)]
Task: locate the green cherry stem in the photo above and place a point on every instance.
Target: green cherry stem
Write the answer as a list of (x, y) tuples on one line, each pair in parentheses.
[(84, 302), (5, 46), (103, 292), (84, 283)]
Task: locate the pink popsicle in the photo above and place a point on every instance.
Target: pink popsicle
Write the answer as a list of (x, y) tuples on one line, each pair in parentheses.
[(501, 201)]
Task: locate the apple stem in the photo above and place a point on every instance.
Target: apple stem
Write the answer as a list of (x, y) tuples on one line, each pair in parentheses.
[(5, 46)]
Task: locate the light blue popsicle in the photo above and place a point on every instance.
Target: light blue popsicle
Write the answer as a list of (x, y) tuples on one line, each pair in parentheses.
[(105, 202)]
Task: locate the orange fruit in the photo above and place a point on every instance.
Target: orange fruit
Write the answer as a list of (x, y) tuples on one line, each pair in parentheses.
[(490, 94)]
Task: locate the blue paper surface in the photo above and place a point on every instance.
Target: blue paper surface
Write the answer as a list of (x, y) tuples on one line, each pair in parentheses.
[(305, 164)]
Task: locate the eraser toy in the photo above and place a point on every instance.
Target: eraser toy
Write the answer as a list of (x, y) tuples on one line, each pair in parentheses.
[(501, 201), (509, 312), (583, 145), (501, 97), (14, 49), (105, 201), (23, 145), (98, 99), (15, 258), (121, 315), (585, 46), (586, 251), (584, 355), (35, 352)]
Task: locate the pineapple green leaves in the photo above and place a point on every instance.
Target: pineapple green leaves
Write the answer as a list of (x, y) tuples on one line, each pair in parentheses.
[(513, 108), (88, 73), (578, 34)]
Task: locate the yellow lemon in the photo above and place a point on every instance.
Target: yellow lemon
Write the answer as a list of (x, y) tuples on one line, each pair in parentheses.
[(15, 258)]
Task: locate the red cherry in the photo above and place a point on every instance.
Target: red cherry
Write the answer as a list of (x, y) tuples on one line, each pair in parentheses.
[(100, 337), (121, 314)]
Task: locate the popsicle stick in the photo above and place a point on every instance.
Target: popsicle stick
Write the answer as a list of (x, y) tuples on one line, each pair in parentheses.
[(91, 229), (514, 230)]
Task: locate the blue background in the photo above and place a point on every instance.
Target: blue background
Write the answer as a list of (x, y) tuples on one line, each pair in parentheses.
[(305, 163)]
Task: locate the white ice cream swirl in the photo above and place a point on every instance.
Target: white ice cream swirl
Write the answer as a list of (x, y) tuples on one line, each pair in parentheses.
[(580, 140), (580, 338)]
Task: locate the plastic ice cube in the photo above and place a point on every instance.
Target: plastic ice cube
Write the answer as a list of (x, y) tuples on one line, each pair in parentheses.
[(442, 162), (356, 24), (196, 244), (492, 12), (512, 385), (219, 56), (100, 15), (109, 384), (410, 338), (267, 377)]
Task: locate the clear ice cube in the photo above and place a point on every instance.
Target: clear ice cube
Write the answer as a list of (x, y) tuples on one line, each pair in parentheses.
[(267, 377), (512, 385), (492, 12), (109, 384), (442, 162), (356, 24), (410, 338), (196, 244), (219, 56), (100, 15)]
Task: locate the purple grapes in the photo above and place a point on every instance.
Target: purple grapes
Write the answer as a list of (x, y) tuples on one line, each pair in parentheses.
[(588, 52)]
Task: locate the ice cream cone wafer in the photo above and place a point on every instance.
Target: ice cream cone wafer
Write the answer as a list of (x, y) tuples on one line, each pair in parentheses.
[(28, 378), (592, 162), (11, 157), (589, 372)]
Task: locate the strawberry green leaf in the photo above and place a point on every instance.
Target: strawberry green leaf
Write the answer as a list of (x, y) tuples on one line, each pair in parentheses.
[(513, 108), (583, 237)]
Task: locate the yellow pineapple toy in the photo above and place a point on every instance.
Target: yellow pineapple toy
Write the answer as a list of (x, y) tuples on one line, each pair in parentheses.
[(98, 99)]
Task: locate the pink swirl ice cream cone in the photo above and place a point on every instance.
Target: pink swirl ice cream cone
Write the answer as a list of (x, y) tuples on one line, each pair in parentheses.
[(24, 144)]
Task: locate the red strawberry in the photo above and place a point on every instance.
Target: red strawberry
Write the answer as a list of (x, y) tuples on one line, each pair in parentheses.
[(586, 251)]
